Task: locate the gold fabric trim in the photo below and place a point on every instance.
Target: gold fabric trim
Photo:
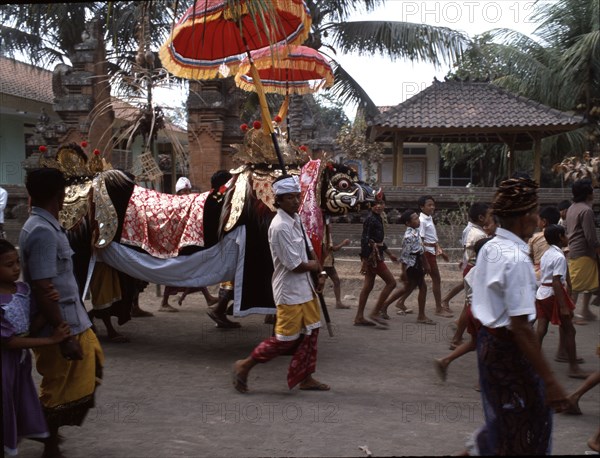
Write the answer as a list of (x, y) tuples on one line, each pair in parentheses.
[(237, 201), (76, 204), (105, 214)]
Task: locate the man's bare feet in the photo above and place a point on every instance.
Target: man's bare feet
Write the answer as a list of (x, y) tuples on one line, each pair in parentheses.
[(212, 300), (222, 320), (444, 314), (240, 376), (341, 306), (594, 443), (137, 312), (378, 319), (167, 308), (310, 384), (573, 408), (446, 306), (578, 374), (441, 369)]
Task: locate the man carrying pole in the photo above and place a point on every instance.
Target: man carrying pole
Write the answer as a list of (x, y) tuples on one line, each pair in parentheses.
[(298, 315)]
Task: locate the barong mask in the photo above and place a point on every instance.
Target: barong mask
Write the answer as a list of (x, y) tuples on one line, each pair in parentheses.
[(344, 190)]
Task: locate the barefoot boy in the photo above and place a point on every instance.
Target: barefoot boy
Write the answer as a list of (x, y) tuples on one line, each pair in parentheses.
[(432, 251), (414, 266), (553, 302)]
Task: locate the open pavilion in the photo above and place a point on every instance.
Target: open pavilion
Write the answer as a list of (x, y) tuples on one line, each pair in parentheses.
[(456, 111)]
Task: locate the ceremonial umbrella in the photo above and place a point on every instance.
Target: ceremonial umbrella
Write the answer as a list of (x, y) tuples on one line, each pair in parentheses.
[(301, 70), (210, 38), (216, 33), (298, 70)]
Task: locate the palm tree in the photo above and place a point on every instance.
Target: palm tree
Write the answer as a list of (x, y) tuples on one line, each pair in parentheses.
[(559, 66), (331, 33)]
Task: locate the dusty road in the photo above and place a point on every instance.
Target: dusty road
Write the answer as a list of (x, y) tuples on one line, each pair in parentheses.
[(168, 392)]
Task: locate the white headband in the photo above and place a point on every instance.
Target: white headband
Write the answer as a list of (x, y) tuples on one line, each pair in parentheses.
[(286, 186), (183, 183)]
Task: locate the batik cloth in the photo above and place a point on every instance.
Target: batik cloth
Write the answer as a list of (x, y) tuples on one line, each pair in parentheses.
[(517, 419), (303, 351), (162, 224), (68, 386)]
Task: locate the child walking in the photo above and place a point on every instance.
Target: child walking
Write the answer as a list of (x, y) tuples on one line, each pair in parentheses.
[(414, 266), (22, 413), (432, 251), (471, 324), (553, 303)]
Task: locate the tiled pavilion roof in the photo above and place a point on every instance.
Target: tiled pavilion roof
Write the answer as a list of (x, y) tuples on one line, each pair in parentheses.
[(24, 80), (470, 112)]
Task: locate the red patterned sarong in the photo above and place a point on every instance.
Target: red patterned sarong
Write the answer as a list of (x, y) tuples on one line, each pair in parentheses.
[(162, 224), (304, 359), (549, 308), (473, 324)]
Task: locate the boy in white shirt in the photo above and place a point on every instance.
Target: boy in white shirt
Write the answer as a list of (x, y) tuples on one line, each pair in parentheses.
[(553, 302), (432, 251)]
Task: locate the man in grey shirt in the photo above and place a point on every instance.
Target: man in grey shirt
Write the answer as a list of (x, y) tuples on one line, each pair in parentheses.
[(70, 369), (584, 247)]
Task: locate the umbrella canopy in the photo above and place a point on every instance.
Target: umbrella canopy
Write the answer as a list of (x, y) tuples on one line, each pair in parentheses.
[(214, 33), (302, 70)]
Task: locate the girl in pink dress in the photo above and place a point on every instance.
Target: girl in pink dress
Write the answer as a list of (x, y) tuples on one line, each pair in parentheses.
[(22, 412)]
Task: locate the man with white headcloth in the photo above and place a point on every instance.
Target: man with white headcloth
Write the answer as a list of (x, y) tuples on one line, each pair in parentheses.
[(298, 313), (183, 186)]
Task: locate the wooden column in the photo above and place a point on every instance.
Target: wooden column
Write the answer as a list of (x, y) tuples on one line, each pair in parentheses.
[(537, 159), (398, 162), (510, 163)]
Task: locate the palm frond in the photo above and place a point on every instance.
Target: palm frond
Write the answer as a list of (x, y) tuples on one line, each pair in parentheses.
[(399, 40), (348, 91)]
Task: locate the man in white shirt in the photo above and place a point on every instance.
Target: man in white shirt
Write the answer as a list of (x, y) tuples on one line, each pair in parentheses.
[(298, 313), (518, 388), (432, 251)]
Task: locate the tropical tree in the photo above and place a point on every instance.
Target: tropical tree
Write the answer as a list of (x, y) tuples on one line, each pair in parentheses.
[(354, 144), (559, 66), (332, 33)]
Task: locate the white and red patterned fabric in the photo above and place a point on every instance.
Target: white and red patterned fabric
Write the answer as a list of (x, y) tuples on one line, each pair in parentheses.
[(162, 224), (310, 212)]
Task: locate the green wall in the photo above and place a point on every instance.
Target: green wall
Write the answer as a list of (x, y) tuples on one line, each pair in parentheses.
[(12, 150)]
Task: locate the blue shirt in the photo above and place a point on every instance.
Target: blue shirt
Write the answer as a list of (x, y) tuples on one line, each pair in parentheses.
[(46, 254)]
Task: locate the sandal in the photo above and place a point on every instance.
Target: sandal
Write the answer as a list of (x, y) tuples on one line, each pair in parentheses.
[(426, 321), (379, 320), (364, 323), (315, 387)]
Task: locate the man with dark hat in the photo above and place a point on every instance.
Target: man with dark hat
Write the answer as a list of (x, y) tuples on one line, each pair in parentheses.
[(518, 388), (298, 313)]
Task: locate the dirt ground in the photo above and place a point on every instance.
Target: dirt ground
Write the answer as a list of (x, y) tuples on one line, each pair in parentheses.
[(168, 392)]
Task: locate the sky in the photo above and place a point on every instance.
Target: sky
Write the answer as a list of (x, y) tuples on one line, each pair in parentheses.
[(391, 83), (388, 82)]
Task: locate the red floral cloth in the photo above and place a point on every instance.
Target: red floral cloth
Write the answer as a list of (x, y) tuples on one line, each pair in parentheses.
[(310, 212), (162, 224)]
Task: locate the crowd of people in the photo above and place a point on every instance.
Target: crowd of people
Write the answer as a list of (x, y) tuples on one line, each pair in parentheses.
[(513, 276)]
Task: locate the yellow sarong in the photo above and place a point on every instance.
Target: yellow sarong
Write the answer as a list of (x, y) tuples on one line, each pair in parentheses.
[(63, 381), (292, 320), (584, 274), (105, 287)]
